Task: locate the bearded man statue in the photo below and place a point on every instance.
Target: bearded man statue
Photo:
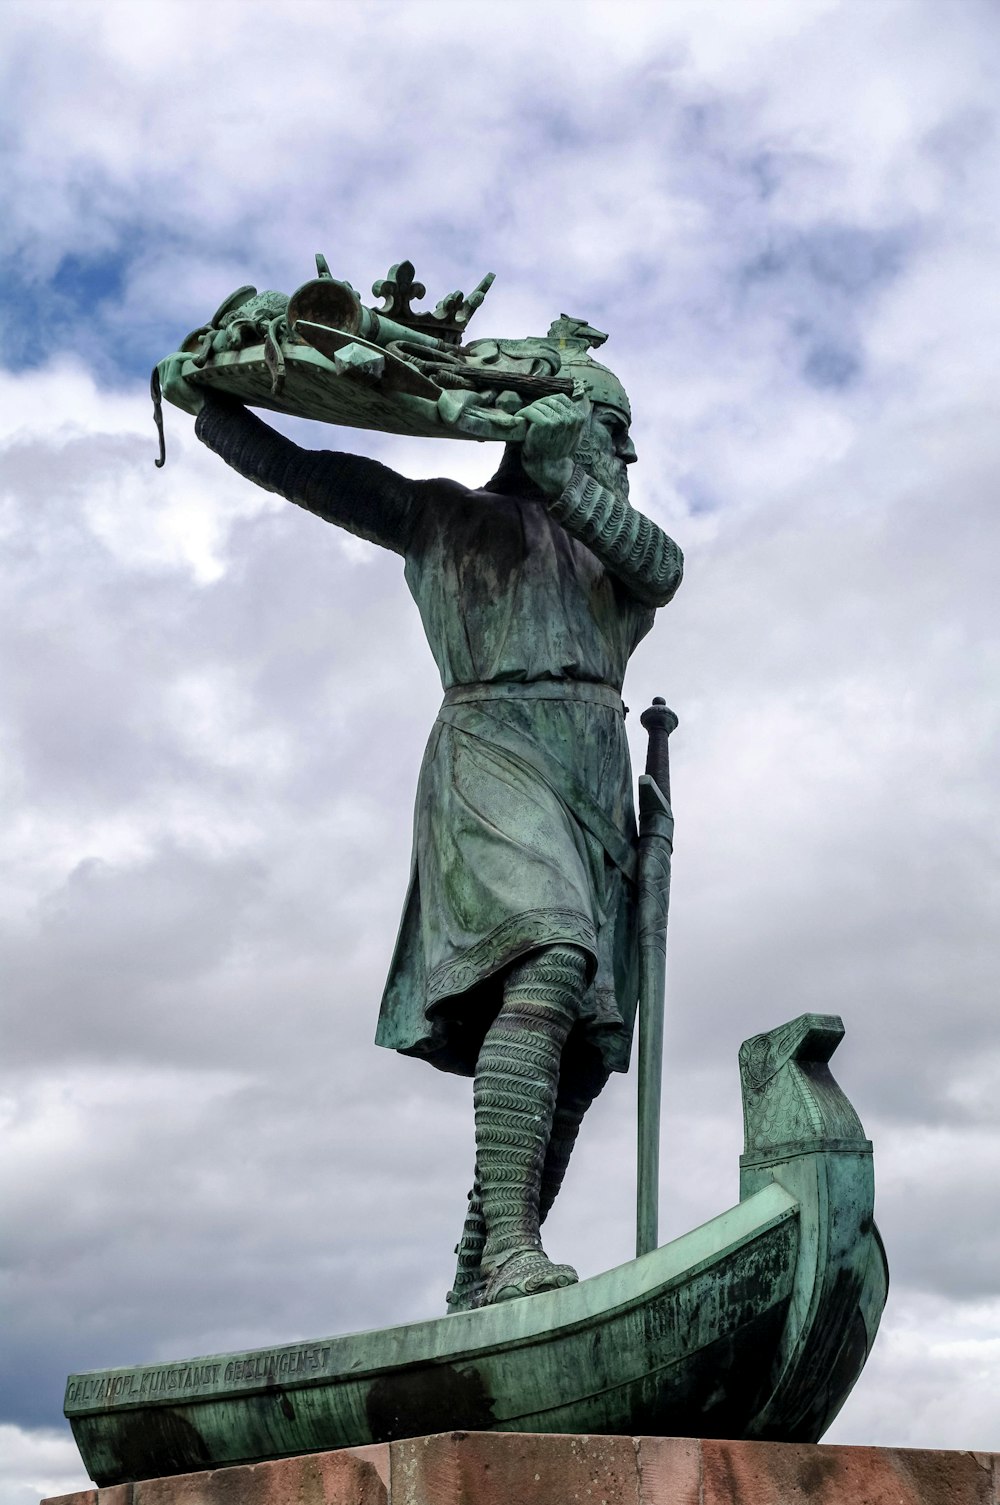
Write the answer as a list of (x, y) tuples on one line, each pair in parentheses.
[(516, 961)]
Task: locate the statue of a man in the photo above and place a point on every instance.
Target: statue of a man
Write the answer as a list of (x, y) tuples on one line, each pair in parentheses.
[(516, 961)]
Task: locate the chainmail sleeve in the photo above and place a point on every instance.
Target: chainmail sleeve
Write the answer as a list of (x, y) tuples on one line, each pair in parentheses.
[(361, 495), (634, 549)]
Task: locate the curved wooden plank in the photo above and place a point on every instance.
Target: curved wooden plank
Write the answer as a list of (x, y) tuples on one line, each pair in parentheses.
[(641, 1342)]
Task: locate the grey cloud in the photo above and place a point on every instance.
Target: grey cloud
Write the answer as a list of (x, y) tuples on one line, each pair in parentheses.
[(37, 1463), (829, 365)]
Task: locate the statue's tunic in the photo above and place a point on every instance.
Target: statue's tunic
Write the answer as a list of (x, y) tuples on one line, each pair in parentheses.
[(524, 831)]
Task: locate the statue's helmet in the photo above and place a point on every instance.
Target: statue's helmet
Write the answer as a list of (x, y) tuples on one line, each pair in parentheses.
[(574, 338)]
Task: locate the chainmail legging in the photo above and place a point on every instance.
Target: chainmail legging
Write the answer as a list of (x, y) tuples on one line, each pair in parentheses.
[(582, 1077), (517, 1077)]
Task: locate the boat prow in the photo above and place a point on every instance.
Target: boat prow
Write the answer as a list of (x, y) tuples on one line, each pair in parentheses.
[(755, 1325)]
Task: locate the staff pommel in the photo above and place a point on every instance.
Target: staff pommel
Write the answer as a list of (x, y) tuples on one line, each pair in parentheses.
[(659, 721), (659, 717)]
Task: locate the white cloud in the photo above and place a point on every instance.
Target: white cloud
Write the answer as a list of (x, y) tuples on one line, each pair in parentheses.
[(36, 1464)]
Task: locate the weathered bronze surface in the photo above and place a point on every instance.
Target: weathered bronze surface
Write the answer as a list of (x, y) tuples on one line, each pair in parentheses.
[(518, 959), (656, 845), (755, 1325), (322, 354), (534, 926)]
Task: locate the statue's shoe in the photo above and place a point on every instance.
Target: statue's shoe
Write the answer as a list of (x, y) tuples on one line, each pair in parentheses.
[(467, 1297), (525, 1272)]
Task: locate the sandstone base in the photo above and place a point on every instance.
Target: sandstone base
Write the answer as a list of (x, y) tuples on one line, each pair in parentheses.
[(508, 1468)]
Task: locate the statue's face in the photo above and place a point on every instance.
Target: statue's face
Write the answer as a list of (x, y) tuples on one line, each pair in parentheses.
[(606, 450)]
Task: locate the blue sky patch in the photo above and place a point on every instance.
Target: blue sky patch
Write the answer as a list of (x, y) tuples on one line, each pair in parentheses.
[(47, 319)]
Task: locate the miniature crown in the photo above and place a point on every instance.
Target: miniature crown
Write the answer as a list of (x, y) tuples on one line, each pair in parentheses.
[(449, 319)]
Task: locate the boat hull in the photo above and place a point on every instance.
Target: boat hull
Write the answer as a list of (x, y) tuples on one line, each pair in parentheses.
[(756, 1324)]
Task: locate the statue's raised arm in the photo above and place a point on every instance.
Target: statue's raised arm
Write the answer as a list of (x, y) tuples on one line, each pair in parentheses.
[(359, 494), (356, 493)]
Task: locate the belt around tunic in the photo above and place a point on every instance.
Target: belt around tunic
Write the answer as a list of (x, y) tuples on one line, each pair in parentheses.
[(585, 690), (560, 779)]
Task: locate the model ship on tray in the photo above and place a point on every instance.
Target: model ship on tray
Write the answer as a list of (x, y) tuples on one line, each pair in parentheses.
[(323, 354)]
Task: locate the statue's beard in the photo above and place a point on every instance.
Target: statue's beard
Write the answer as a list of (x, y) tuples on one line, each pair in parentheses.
[(607, 470)]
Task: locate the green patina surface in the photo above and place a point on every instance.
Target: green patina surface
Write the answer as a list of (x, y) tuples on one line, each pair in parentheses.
[(754, 1325), (518, 957), (322, 354), (533, 927)]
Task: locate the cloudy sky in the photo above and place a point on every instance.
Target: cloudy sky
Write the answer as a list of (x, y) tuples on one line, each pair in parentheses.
[(214, 706)]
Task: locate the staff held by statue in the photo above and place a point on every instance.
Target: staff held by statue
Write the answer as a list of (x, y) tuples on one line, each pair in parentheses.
[(656, 834)]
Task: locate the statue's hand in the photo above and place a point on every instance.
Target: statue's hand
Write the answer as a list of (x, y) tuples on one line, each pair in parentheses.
[(176, 388), (554, 427)]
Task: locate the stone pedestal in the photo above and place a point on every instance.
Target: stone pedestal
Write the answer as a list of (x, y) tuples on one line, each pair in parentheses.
[(509, 1468)]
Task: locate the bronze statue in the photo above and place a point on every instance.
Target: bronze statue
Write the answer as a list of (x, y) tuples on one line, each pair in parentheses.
[(516, 957), (531, 929)]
